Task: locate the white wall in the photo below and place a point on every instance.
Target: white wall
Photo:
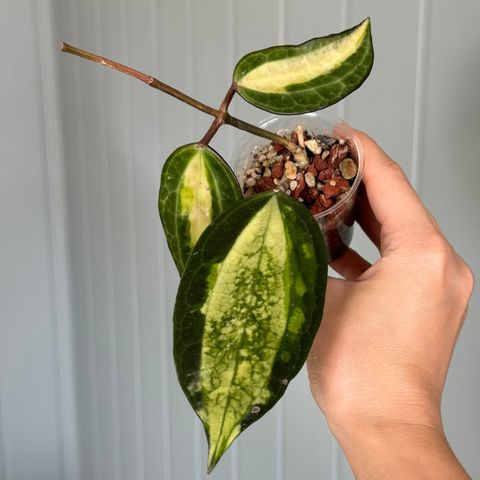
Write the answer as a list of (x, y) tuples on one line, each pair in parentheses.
[(87, 383), (37, 427)]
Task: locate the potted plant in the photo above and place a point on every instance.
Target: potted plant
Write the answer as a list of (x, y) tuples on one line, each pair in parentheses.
[(252, 258)]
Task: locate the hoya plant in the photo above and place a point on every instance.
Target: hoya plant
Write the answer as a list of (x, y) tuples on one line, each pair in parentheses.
[(253, 270)]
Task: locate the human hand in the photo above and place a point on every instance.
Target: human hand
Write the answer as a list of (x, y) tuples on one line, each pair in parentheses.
[(378, 365)]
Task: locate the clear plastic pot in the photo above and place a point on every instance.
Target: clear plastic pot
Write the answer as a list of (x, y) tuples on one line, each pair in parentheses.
[(336, 223)]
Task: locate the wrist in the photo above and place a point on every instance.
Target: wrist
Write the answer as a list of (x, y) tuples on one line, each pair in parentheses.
[(401, 450)]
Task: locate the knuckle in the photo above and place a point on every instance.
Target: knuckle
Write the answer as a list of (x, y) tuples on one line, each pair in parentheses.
[(438, 246), (452, 274), (438, 262), (437, 252), (461, 287), (466, 279), (395, 168)]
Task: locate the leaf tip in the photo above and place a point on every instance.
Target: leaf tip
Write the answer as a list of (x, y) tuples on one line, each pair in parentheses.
[(214, 455), (364, 25), (218, 445)]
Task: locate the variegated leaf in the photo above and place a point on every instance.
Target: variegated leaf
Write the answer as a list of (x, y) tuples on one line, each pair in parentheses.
[(247, 309), (196, 186), (311, 76)]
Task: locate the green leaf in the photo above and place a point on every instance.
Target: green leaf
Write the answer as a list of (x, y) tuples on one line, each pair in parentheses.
[(247, 309), (196, 186), (311, 76)]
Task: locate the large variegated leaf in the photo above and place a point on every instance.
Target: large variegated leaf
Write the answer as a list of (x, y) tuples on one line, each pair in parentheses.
[(248, 307), (311, 76), (196, 186)]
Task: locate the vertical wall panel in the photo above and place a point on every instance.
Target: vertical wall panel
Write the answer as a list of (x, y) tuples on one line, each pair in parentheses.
[(450, 178), (101, 335), (74, 151), (122, 463), (30, 393), (419, 117), (3, 466), (383, 106), (144, 123), (155, 344), (59, 241)]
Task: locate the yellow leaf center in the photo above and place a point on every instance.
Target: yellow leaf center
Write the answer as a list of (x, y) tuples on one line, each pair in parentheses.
[(275, 76)]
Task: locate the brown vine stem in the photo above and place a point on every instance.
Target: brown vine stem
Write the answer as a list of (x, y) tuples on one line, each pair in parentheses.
[(221, 117), (260, 132), (149, 80)]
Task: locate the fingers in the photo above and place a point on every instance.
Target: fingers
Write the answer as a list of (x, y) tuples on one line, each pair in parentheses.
[(393, 200), (350, 265), (366, 218)]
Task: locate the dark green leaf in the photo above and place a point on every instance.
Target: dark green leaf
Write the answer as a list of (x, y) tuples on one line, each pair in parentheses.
[(196, 186), (311, 76), (248, 307)]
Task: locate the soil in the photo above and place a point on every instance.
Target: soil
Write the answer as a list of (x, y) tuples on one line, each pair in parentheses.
[(319, 174)]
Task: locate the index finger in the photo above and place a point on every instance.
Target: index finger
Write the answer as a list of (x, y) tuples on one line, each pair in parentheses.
[(392, 198)]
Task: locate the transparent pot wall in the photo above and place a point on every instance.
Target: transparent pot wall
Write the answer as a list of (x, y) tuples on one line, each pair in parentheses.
[(336, 222)]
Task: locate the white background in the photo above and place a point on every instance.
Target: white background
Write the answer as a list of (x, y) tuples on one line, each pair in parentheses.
[(87, 385)]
